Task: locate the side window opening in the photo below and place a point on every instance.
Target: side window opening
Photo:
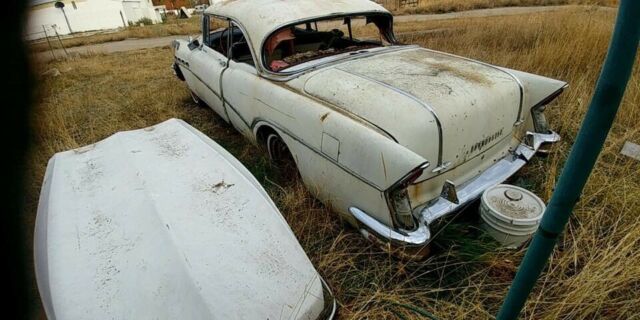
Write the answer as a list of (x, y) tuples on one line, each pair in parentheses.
[(240, 50), (216, 34)]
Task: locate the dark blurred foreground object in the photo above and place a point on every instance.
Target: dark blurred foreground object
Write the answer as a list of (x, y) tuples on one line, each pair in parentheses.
[(16, 98), (584, 154)]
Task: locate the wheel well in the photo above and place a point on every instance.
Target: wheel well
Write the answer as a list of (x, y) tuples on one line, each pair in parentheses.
[(263, 133), (178, 72)]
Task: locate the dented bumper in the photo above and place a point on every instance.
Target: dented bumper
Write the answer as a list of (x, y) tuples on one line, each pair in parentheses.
[(454, 197)]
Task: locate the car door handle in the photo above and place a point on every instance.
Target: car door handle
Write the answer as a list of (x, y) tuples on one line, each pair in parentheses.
[(222, 63)]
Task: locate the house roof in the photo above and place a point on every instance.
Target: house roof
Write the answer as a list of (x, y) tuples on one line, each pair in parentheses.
[(261, 17)]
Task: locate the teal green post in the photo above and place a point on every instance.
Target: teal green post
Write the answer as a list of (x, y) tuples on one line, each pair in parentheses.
[(595, 128)]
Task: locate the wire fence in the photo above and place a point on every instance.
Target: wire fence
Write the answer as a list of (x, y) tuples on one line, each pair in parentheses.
[(41, 33), (50, 35)]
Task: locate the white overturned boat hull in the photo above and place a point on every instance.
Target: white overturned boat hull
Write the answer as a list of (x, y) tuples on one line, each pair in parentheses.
[(163, 223)]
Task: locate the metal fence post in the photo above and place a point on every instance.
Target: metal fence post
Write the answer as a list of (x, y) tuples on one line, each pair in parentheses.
[(584, 154), (61, 44), (49, 42)]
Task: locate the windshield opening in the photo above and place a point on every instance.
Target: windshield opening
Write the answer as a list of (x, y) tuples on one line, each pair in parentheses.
[(312, 40)]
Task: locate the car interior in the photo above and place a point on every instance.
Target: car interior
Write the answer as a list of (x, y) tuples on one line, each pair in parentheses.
[(241, 52), (298, 44)]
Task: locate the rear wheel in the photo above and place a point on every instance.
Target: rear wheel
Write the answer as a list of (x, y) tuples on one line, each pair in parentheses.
[(281, 156)]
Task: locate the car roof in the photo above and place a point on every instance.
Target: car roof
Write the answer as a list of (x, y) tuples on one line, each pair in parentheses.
[(260, 18)]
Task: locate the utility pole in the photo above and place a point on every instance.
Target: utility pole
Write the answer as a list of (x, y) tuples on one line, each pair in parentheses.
[(60, 5)]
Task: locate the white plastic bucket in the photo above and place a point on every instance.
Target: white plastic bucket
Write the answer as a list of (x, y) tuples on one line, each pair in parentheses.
[(510, 214)]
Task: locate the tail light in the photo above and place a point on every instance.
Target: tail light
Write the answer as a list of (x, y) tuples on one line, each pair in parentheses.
[(539, 120), (537, 113), (399, 202)]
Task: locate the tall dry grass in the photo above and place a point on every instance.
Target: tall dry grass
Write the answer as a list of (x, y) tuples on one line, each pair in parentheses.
[(173, 26), (445, 6), (593, 274)]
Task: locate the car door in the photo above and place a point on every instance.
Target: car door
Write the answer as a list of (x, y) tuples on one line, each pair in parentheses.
[(249, 97), (239, 83), (209, 62)]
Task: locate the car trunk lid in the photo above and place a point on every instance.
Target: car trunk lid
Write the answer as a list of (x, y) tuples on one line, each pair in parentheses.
[(465, 106)]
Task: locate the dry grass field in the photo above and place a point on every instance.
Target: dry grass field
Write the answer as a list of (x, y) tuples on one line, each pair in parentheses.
[(444, 6), (595, 271), (172, 27)]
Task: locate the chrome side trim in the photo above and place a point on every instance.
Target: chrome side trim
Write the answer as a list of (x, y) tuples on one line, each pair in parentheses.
[(412, 97), (419, 237)]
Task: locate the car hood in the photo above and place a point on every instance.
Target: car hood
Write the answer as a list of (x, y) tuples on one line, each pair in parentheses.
[(446, 108), (163, 223)]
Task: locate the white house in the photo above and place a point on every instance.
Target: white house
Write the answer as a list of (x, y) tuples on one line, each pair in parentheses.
[(135, 10), (71, 16)]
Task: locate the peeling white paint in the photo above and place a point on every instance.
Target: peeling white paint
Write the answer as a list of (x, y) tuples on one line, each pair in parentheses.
[(165, 224)]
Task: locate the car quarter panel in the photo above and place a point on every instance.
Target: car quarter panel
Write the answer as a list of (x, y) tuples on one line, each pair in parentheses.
[(537, 90), (343, 159), (404, 118)]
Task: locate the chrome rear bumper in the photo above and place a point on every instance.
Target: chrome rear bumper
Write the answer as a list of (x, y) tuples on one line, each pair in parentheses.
[(455, 197)]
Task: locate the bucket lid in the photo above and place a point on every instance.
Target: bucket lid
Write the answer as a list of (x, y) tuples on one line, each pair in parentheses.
[(514, 205)]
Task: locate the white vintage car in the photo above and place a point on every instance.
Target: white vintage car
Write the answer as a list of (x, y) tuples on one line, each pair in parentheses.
[(392, 136)]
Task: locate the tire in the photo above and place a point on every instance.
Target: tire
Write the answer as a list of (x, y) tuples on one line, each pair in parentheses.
[(280, 155), (197, 99), (178, 72)]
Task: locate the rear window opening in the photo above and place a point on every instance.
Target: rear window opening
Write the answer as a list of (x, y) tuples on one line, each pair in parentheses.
[(301, 43)]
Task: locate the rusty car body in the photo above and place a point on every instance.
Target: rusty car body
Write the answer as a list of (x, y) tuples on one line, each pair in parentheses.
[(393, 136)]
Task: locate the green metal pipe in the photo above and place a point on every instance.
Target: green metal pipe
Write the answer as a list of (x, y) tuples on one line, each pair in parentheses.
[(584, 154)]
